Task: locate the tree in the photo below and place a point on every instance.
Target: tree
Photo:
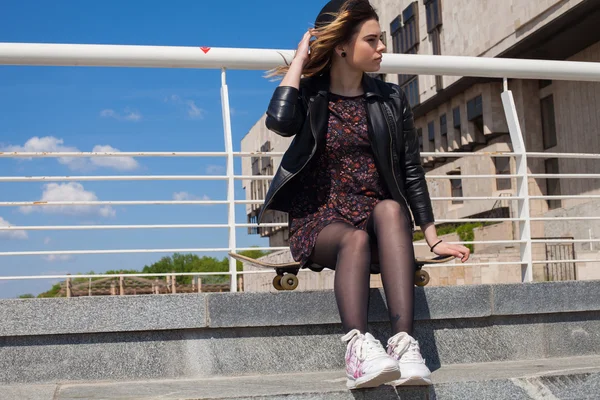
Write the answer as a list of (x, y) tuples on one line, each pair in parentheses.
[(27, 296)]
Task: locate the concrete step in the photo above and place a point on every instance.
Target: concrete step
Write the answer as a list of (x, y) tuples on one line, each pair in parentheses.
[(558, 378), (197, 336)]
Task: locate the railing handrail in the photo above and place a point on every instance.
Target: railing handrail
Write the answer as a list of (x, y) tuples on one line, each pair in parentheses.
[(55, 54)]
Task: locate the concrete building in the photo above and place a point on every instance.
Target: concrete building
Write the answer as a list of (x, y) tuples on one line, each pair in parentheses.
[(466, 114)]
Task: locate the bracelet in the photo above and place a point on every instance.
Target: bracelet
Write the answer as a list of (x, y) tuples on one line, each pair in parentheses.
[(432, 247)]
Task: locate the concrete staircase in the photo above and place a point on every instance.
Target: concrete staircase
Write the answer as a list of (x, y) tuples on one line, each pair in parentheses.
[(521, 341)]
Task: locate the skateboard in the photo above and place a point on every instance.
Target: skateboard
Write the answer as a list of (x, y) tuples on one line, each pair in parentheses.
[(287, 273)]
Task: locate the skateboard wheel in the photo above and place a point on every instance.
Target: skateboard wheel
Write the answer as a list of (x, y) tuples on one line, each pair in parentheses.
[(421, 278), (277, 282), (289, 282)]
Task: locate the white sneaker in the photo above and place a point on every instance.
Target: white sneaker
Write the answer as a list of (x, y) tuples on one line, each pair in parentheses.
[(413, 371), (367, 363)]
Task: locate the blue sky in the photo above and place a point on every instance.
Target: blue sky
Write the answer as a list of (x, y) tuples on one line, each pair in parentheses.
[(129, 109)]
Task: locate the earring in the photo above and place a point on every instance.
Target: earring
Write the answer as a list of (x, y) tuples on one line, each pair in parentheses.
[(343, 54)]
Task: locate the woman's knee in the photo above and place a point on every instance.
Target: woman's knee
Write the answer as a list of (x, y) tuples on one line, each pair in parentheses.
[(356, 240), (389, 210), (389, 213)]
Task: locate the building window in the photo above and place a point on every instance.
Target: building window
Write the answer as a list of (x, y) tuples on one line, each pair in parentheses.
[(410, 19), (548, 122), (552, 184), (411, 89), (266, 169), (420, 136), (502, 165), (266, 162), (255, 165), (444, 132), (252, 219), (431, 135), (435, 40), (475, 112), (456, 118), (456, 190), (405, 38), (474, 108), (434, 28), (434, 14)]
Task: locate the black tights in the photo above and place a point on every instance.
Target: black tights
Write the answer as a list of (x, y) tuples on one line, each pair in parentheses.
[(388, 242)]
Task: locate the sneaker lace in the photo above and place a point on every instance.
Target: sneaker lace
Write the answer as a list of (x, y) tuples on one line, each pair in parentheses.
[(370, 349), (406, 348), (413, 353), (367, 347)]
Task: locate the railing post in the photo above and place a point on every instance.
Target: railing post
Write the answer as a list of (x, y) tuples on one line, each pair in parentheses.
[(230, 178), (68, 286), (516, 137)]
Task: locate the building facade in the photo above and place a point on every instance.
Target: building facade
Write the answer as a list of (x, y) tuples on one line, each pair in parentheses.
[(466, 114)]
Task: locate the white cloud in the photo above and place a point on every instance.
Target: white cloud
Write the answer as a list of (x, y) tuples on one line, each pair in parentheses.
[(71, 191), (53, 144), (50, 144), (235, 111), (128, 115), (120, 163), (58, 257), (215, 170), (193, 111), (108, 113), (47, 240), (183, 196), (20, 235)]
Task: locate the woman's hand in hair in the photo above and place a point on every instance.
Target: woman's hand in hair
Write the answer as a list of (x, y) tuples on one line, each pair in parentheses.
[(302, 54)]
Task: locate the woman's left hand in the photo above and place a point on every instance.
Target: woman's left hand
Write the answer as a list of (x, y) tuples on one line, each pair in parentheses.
[(456, 250)]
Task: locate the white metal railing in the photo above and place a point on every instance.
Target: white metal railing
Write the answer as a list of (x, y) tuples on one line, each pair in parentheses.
[(261, 59)]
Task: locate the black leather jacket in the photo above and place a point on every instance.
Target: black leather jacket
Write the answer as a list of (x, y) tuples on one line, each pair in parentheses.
[(305, 114)]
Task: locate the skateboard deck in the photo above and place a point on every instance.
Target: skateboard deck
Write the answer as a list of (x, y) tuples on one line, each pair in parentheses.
[(287, 279)]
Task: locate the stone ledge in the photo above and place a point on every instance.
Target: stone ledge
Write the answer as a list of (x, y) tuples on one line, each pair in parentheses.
[(320, 307), (546, 297), (101, 314), (226, 310)]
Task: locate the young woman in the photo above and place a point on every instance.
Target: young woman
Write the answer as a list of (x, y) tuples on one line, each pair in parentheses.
[(348, 180)]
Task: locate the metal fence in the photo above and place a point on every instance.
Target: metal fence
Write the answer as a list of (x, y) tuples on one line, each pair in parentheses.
[(258, 59)]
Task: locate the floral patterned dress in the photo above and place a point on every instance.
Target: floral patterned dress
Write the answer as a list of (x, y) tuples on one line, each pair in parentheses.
[(341, 183)]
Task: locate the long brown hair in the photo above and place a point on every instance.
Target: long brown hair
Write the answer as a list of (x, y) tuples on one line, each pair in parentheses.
[(340, 31)]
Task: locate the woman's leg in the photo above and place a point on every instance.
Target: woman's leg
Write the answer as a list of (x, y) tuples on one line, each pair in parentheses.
[(345, 248), (393, 231)]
